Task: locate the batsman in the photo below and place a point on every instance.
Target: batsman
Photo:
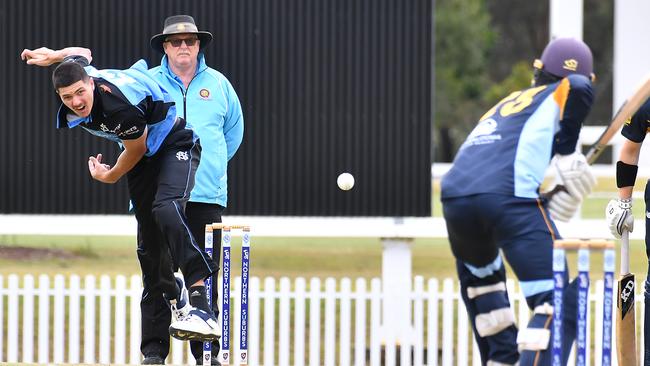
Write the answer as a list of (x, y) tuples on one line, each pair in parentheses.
[(492, 204), (619, 212)]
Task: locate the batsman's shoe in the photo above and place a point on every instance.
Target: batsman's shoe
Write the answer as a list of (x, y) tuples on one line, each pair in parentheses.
[(180, 306), (198, 325)]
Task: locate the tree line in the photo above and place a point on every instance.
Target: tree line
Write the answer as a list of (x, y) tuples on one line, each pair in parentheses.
[(485, 49)]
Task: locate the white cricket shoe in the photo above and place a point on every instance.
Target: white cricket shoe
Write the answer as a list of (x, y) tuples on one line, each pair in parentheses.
[(197, 325)]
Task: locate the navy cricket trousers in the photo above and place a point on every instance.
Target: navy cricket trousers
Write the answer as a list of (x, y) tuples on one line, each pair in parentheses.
[(480, 228)]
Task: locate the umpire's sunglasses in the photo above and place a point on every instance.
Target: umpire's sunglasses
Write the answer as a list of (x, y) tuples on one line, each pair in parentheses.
[(177, 42)]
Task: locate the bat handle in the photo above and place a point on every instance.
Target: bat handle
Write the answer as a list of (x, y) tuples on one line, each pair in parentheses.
[(558, 188), (625, 252)]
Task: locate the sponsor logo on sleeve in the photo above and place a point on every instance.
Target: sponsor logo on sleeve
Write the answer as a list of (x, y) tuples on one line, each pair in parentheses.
[(128, 132)]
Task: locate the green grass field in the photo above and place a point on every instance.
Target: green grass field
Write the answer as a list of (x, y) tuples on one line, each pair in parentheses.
[(276, 257), (291, 257)]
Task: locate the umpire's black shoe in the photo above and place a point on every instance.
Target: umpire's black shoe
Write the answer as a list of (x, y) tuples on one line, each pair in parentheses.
[(153, 360)]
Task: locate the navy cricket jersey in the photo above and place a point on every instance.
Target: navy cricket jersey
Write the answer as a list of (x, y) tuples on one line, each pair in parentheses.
[(510, 148), (124, 103), (638, 126)]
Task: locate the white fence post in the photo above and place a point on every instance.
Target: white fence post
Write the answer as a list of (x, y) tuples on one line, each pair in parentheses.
[(432, 322), (344, 323), (105, 320), (269, 321), (330, 322), (285, 326), (74, 319), (314, 322), (43, 319), (360, 323), (28, 319), (447, 322), (375, 314), (418, 321), (299, 322), (59, 319), (12, 320), (89, 319)]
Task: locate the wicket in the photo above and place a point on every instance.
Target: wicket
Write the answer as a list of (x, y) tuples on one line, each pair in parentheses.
[(583, 246), (224, 358)]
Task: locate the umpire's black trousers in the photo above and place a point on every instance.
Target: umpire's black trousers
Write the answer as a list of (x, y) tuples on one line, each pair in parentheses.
[(154, 340)]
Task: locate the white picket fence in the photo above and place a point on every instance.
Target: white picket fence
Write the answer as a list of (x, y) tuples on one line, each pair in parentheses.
[(334, 324)]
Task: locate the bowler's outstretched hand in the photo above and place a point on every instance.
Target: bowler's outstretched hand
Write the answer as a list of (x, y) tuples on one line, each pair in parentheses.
[(40, 57), (98, 170)]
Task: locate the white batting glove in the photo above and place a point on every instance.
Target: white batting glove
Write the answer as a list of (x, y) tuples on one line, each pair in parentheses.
[(619, 216), (575, 174), (563, 206)]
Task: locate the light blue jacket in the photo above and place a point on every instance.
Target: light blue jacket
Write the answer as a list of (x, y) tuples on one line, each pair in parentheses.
[(211, 107)]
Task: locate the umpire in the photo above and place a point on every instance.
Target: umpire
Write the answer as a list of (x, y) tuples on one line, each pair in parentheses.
[(209, 104)]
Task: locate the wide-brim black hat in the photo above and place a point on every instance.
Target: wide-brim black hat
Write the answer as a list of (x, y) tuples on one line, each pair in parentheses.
[(177, 24)]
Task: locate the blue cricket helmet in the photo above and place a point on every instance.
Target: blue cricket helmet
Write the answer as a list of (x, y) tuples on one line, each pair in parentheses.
[(565, 56)]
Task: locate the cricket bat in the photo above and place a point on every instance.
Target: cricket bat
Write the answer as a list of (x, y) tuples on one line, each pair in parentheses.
[(624, 113), (625, 317)]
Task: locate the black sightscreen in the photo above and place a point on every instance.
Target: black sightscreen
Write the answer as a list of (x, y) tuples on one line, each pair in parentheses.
[(326, 86)]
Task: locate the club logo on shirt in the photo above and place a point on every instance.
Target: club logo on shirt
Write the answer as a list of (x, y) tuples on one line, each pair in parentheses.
[(570, 64), (483, 134), (182, 155), (204, 93)]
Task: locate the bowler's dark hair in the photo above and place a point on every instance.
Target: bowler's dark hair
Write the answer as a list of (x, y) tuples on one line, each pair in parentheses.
[(68, 73)]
